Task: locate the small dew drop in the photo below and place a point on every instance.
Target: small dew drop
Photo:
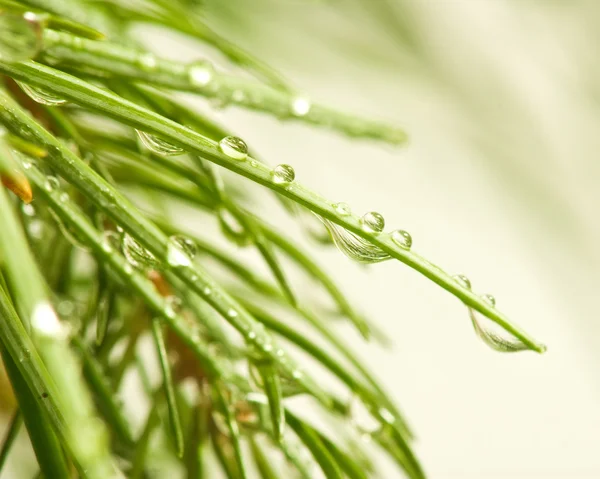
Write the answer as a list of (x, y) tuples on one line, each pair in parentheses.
[(41, 96), (147, 61), (402, 238), (372, 222), (52, 183), (200, 73), (232, 313), (268, 348), (462, 280), (180, 251), (158, 145), (63, 197), (300, 106), (234, 148), (110, 240), (280, 353), (251, 335), (386, 415), (488, 298), (342, 209), (283, 174), (297, 374), (207, 291), (169, 311), (138, 256), (28, 210)]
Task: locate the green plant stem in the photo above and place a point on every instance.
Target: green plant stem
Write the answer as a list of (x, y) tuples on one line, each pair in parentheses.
[(127, 62), (98, 99)]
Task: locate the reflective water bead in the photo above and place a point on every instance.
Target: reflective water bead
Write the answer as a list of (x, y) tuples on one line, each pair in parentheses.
[(234, 147), (41, 96), (137, 255), (300, 106), (178, 251), (342, 209), (402, 238), (462, 280), (232, 313), (206, 291), (45, 321), (158, 145), (147, 61), (52, 183), (200, 73), (488, 298), (372, 222), (283, 174), (28, 210), (20, 39)]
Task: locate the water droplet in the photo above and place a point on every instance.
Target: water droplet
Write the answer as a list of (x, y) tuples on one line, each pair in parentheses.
[(20, 39), (180, 251), (300, 106), (267, 348), (52, 183), (174, 302), (158, 145), (372, 222), (493, 339), (234, 147), (297, 374), (280, 353), (232, 313), (462, 280), (283, 174), (169, 310), (354, 246), (251, 335), (111, 240), (147, 61), (206, 291), (200, 73), (386, 415), (28, 210), (402, 238), (63, 197), (36, 229), (488, 298), (342, 209), (138, 256), (45, 321), (41, 96)]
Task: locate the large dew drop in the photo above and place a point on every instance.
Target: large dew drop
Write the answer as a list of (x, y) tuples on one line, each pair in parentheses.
[(402, 238), (234, 148), (20, 38), (372, 222), (283, 174), (180, 251), (158, 145), (138, 256), (354, 246), (494, 340), (41, 96)]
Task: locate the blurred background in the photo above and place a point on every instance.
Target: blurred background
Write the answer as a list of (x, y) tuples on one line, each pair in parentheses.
[(500, 181)]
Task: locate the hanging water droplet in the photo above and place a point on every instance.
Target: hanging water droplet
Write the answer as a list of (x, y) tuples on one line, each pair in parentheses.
[(147, 61), (402, 238), (354, 246), (41, 96), (283, 174), (488, 298), (20, 39), (300, 106), (493, 339), (232, 228), (158, 145), (234, 147), (180, 251), (342, 209), (174, 302), (372, 222), (52, 183), (111, 240), (462, 280), (138, 256), (200, 73)]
